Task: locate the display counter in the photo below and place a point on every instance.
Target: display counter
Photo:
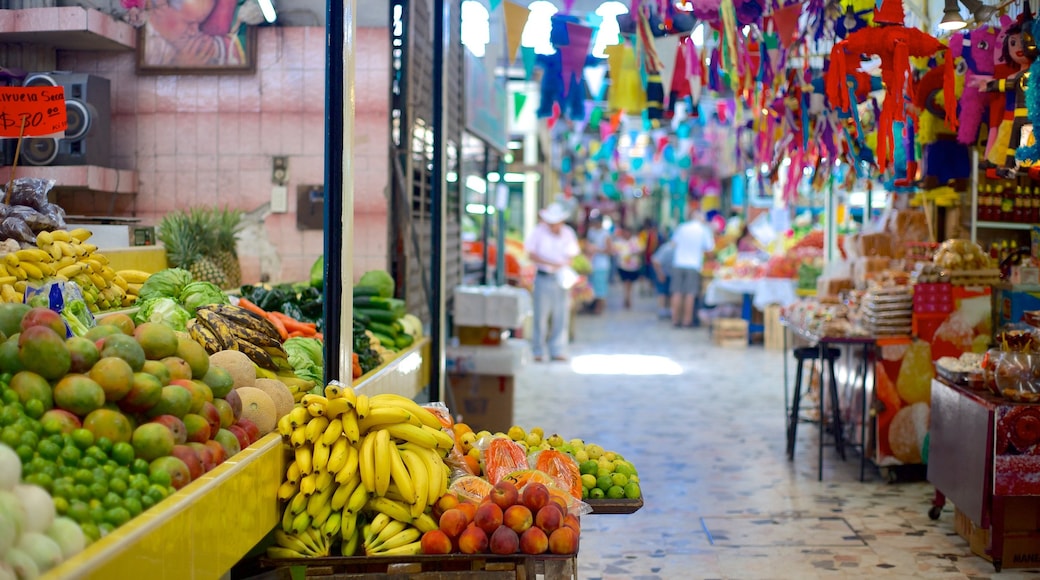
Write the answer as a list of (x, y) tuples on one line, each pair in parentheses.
[(208, 526)]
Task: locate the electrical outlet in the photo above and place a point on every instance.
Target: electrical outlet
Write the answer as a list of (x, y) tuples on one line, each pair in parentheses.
[(280, 170), (279, 199)]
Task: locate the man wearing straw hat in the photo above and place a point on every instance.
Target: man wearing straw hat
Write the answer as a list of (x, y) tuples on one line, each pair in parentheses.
[(552, 245)]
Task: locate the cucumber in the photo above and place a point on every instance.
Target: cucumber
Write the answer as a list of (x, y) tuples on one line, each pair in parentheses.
[(362, 318), (377, 303), (382, 329), (365, 291), (385, 341), (404, 341), (374, 315)]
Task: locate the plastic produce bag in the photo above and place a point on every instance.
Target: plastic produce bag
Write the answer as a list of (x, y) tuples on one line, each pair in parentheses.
[(456, 458), (65, 298), (30, 191), (560, 466), (13, 228), (37, 222), (500, 456)]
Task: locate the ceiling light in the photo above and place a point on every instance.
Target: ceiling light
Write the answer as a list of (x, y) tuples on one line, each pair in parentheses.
[(979, 11), (952, 19), (268, 10)]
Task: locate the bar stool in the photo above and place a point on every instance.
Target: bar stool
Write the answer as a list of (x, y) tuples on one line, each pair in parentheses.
[(812, 354)]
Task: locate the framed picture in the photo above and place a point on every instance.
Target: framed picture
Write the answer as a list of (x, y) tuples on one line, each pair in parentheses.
[(173, 41)]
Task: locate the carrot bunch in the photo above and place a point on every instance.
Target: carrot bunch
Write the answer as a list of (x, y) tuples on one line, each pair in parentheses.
[(287, 326), (356, 365)]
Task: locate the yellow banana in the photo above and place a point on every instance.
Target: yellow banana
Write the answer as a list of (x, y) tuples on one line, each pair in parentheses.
[(301, 522), (316, 409), (382, 461), (95, 266), (318, 519), (361, 407), (408, 535), (98, 280), (316, 428), (9, 294), (11, 260), (280, 553), (292, 474), (338, 455), (420, 477), (425, 523), (378, 416), (287, 490), (358, 499), (318, 501), (308, 484), (367, 461), (298, 438), (66, 248), (285, 426), (133, 276), (53, 250), (410, 433), (394, 400), (32, 255), (290, 541), (47, 269), (348, 526), (405, 550), (338, 407), (324, 481), (378, 523), (80, 234), (399, 474), (44, 239), (122, 283), (350, 467), (444, 441), (298, 504), (73, 270), (392, 529), (312, 398), (303, 459), (299, 416), (351, 428), (344, 491), (332, 525), (395, 509), (333, 431), (31, 270), (437, 482), (320, 457), (349, 547), (8, 280), (287, 517), (61, 236)]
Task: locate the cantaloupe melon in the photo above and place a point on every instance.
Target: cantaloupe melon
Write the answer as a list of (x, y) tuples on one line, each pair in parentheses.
[(258, 407), (241, 367), (279, 393)]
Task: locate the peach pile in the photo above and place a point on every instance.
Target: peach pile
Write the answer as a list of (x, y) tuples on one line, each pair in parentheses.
[(504, 522)]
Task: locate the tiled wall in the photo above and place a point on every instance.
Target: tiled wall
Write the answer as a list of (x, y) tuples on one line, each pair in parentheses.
[(209, 140)]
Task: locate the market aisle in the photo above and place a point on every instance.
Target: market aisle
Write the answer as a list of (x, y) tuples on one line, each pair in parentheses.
[(722, 501)]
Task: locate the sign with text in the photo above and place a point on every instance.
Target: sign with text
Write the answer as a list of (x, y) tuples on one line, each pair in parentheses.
[(32, 111)]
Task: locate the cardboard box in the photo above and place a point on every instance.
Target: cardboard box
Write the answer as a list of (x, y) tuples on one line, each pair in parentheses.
[(1025, 275), (507, 359), (1021, 533), (480, 335), (730, 332), (483, 401), (469, 304), (773, 338)]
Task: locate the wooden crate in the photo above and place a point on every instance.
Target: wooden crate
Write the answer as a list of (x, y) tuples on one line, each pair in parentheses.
[(428, 567), (730, 332), (774, 331)]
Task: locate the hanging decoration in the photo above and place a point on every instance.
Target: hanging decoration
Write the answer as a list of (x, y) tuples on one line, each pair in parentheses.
[(515, 17)]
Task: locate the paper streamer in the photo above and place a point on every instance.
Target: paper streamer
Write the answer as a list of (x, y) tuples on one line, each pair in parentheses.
[(518, 104), (667, 48), (515, 20), (594, 80), (530, 58), (786, 22)]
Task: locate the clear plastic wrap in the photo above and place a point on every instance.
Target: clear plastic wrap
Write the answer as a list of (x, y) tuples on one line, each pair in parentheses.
[(13, 228), (37, 221), (456, 458), (65, 298), (29, 191), (500, 456), (562, 467)]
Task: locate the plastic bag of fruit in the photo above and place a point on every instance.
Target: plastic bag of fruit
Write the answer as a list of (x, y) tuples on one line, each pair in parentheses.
[(524, 477), (560, 466), (500, 456), (455, 459), (65, 298), (470, 487)]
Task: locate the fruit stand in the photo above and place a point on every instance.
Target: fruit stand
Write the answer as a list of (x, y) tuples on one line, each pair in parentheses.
[(192, 534)]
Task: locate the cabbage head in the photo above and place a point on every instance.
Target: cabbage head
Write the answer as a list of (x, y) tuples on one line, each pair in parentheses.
[(202, 294), (164, 311), (168, 283)]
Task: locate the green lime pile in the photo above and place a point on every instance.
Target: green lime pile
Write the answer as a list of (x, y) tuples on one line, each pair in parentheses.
[(97, 484)]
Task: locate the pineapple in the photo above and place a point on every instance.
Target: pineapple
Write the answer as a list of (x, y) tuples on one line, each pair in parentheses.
[(185, 236), (228, 223)]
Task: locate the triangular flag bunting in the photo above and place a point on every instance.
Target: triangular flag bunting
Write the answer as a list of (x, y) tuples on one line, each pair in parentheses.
[(515, 19), (594, 77), (575, 52), (567, 5), (493, 5), (518, 104), (530, 58), (786, 22)]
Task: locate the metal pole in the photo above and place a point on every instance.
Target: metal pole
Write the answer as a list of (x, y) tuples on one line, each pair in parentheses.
[(500, 233), (974, 193), (485, 233), (339, 193), (441, 21)]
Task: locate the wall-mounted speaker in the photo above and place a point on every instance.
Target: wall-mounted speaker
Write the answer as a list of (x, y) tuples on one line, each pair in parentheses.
[(88, 106)]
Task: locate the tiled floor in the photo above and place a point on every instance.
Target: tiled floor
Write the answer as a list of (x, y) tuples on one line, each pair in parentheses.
[(722, 501)]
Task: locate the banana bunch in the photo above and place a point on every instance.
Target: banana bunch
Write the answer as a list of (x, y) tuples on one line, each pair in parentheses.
[(356, 457), (385, 536), (310, 543), (134, 280), (226, 327), (64, 256)]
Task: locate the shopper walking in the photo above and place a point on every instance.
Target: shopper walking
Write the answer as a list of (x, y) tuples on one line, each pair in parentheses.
[(650, 237), (599, 247), (694, 240), (551, 246), (661, 262), (629, 251)]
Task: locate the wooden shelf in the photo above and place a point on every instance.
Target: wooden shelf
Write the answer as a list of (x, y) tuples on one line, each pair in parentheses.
[(1004, 225), (79, 177), (67, 28), (199, 532)]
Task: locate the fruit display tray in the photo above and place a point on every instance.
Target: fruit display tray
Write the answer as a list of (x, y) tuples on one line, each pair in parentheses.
[(615, 506), (431, 567)]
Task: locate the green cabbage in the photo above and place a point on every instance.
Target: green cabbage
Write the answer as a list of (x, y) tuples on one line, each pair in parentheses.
[(201, 294), (318, 273), (379, 280), (306, 357), (163, 310), (165, 284)]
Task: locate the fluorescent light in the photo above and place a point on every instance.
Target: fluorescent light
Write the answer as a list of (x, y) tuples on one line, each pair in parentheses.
[(476, 184), (493, 177), (268, 9), (515, 145), (452, 177), (515, 178), (479, 208)]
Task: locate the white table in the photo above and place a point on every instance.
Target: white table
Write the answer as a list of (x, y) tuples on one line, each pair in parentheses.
[(763, 291)]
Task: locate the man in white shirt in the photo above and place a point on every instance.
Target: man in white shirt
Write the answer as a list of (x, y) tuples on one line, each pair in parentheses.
[(693, 240), (551, 245)]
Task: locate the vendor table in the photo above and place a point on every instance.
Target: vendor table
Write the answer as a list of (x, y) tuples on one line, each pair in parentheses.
[(969, 460), (758, 293), (866, 346)]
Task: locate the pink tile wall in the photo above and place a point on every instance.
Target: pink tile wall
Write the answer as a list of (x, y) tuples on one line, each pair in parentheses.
[(208, 140)]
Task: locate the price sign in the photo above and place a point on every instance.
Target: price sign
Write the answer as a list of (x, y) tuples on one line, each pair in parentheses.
[(32, 111)]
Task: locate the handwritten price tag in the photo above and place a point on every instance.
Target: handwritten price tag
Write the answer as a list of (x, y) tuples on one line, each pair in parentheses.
[(40, 109)]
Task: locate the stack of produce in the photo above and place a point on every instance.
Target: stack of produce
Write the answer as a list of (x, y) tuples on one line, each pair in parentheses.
[(203, 241), (113, 421), (226, 327), (33, 539), (382, 314), (303, 305), (365, 356), (64, 256), (365, 473)]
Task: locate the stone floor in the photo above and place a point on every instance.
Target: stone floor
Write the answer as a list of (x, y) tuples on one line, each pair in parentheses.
[(705, 428)]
